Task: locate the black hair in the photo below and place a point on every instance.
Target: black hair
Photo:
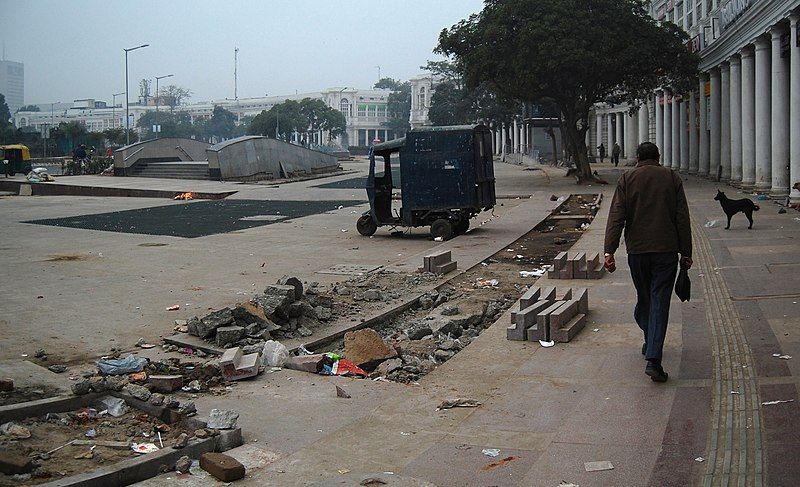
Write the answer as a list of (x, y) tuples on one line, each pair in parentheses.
[(647, 151)]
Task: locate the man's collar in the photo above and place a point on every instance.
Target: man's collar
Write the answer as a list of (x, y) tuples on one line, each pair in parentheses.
[(648, 162)]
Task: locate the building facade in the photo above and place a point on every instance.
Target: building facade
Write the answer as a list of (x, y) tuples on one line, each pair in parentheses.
[(364, 110), (422, 89), (741, 125), (12, 84)]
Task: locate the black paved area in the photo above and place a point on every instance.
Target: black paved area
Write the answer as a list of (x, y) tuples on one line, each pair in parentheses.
[(197, 219), (359, 183)]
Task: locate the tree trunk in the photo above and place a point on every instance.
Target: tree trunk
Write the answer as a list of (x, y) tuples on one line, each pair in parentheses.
[(576, 144)]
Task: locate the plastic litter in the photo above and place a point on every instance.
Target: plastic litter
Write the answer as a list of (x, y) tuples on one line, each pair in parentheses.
[(699, 459), (533, 273), (770, 403), (486, 283), (274, 354), (598, 466), (126, 365), (458, 403), (782, 357), (491, 452), (174, 307), (91, 433), (710, 224), (144, 447), (546, 344), (115, 406)]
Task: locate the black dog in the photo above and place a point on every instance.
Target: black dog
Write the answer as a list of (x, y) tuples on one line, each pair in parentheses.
[(732, 207)]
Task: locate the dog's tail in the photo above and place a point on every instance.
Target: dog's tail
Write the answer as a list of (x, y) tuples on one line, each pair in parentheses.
[(756, 207)]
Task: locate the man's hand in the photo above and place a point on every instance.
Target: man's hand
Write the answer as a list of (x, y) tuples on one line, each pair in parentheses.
[(686, 263), (610, 264)]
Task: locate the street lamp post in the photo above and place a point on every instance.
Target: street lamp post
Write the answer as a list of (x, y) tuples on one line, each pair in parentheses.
[(157, 99), (114, 105), (127, 101)]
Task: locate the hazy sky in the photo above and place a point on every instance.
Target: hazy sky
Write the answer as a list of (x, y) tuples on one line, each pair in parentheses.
[(72, 49)]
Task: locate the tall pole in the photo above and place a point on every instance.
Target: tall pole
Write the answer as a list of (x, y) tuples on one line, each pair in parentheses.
[(236, 81), (127, 99), (379, 72), (114, 104), (158, 129)]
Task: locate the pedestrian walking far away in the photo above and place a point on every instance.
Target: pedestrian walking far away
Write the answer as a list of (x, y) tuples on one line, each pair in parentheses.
[(615, 152), (650, 205), (602, 150)]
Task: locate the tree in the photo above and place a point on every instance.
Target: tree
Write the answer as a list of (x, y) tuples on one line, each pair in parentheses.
[(398, 109), (573, 52), (5, 114), (173, 124), (115, 136), (388, 84), (174, 95), (29, 108), (221, 124), (280, 121), (319, 116)]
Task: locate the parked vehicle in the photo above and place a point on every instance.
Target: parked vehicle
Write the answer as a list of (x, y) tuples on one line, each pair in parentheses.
[(446, 178), (15, 158)]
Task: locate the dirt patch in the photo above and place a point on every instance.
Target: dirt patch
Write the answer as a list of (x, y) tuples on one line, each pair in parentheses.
[(54, 430), (28, 393), (152, 244), (67, 257)]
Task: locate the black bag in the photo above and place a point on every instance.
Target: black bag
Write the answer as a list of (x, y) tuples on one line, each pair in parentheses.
[(683, 286)]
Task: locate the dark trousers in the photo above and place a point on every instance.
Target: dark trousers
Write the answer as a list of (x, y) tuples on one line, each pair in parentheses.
[(615, 159), (653, 277)]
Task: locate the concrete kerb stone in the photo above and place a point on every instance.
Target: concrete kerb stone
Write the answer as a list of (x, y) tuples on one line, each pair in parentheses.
[(524, 320), (135, 469), (578, 262)]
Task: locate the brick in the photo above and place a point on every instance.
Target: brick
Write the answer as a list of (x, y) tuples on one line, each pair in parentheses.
[(444, 268), (543, 322), (7, 384), (438, 258), (229, 334), (165, 383), (522, 320), (223, 467), (12, 463), (548, 294), (596, 272), (531, 296), (306, 363), (569, 330), (232, 356), (236, 366), (578, 262), (581, 295), (562, 315), (564, 295)]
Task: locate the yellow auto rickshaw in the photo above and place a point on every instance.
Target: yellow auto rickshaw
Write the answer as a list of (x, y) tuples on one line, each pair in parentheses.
[(15, 158)]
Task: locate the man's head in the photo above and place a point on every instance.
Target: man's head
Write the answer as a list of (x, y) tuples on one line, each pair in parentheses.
[(647, 151)]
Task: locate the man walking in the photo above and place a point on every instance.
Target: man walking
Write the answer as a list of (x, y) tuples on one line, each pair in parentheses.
[(649, 203), (602, 150), (615, 152)]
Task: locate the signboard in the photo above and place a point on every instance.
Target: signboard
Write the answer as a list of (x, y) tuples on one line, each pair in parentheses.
[(732, 10), (156, 128), (693, 45)]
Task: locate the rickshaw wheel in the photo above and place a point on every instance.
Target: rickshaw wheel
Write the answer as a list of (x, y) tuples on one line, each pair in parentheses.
[(366, 226), (462, 226), (442, 228)]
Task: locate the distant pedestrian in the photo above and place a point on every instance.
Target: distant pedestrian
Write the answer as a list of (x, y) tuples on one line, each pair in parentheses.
[(602, 149), (650, 205), (615, 152)]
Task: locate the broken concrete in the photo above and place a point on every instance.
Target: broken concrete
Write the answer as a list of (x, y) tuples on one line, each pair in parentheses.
[(366, 348)]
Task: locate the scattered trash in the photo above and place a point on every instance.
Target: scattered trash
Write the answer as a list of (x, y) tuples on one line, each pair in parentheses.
[(533, 273), (13, 431), (567, 484), (546, 344), (458, 403), (770, 403), (138, 376), (143, 344), (274, 354), (174, 307), (144, 448), (762, 197), (782, 357), (92, 433), (598, 466), (344, 471), (711, 224), (342, 393), (500, 463), (129, 364), (699, 459), (114, 405), (735, 392), (491, 452), (184, 196), (595, 330), (438, 239), (403, 433), (486, 283)]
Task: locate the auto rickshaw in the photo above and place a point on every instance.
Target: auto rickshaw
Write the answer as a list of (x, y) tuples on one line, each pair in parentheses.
[(446, 178), (15, 158)]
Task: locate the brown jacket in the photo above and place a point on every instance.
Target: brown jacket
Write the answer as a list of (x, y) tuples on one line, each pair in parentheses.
[(650, 205)]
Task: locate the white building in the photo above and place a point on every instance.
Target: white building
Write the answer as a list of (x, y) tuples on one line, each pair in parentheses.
[(742, 123), (12, 84), (364, 110), (422, 89)]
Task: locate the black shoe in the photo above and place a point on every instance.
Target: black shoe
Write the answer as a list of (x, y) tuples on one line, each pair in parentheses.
[(644, 348), (656, 372)]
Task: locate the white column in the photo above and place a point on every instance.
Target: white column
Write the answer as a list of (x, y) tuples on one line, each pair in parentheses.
[(748, 119), (659, 108), (794, 106), (644, 124), (716, 114), (633, 136), (676, 131), (736, 120), (780, 117), (763, 117), (515, 138), (618, 129), (504, 137), (684, 136), (725, 122), (704, 156), (610, 134), (666, 153), (599, 131), (694, 147)]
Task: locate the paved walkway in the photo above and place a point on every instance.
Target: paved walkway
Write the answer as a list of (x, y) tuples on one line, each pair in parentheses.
[(551, 410)]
